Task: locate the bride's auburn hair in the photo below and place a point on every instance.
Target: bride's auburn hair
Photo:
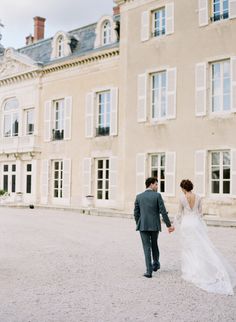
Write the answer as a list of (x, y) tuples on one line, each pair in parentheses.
[(186, 185)]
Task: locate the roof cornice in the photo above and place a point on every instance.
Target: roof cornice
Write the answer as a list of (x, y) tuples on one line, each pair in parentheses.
[(58, 66)]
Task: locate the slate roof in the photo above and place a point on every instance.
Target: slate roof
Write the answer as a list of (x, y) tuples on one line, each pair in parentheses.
[(40, 51)]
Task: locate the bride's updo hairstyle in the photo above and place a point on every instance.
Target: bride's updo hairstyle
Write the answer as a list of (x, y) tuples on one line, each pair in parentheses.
[(186, 185)]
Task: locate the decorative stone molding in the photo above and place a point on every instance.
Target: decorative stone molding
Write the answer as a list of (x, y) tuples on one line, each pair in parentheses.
[(14, 63)]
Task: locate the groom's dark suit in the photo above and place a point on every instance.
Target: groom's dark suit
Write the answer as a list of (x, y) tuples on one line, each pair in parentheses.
[(148, 206)]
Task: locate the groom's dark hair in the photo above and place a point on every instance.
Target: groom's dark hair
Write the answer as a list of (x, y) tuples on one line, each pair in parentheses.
[(150, 181)]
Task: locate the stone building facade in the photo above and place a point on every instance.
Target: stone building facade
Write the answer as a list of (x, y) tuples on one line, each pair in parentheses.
[(150, 90)]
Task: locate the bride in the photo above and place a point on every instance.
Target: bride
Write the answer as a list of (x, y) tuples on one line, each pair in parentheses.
[(202, 264)]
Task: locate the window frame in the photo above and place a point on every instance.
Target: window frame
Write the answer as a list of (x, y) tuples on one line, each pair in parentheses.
[(14, 111), (221, 111), (106, 33), (104, 189), (159, 103), (105, 116), (221, 179), (59, 179), (221, 12), (159, 168), (153, 12), (58, 119)]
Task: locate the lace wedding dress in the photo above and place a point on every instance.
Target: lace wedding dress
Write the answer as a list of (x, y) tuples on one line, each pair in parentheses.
[(202, 264)]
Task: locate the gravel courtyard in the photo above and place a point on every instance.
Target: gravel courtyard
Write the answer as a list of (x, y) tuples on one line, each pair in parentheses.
[(64, 267)]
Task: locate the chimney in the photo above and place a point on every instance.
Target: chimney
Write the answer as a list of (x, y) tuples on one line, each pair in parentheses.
[(38, 28), (29, 40), (116, 10)]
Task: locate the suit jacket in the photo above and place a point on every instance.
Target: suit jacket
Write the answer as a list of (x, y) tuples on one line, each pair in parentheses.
[(148, 206)]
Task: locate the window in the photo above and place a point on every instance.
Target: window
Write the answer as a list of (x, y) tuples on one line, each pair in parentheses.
[(103, 113), (60, 46), (106, 33), (159, 95), (57, 179), (30, 122), (58, 111), (220, 9), (157, 169), (159, 22), (221, 83), (9, 177), (28, 178), (11, 117), (102, 178), (220, 173)]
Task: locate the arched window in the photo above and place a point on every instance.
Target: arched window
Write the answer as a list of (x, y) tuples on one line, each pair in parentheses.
[(11, 117), (60, 46), (106, 33)]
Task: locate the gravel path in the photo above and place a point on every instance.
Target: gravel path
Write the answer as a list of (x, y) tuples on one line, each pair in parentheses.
[(64, 267)]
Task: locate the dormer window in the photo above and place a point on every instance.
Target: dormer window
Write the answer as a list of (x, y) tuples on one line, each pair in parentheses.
[(61, 45), (106, 33), (60, 49)]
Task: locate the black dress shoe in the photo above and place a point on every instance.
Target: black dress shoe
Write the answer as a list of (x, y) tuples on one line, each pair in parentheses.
[(148, 275), (155, 267)]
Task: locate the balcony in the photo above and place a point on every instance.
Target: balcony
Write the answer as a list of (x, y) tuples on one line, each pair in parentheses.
[(57, 135), (102, 131), (13, 144)]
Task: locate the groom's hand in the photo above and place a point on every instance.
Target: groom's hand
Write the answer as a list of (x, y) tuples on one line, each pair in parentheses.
[(171, 229)]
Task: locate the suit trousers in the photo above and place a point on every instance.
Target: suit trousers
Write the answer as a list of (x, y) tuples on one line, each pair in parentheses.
[(150, 248)]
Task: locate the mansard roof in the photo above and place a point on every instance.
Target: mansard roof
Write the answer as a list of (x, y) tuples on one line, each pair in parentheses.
[(82, 43), (83, 40)]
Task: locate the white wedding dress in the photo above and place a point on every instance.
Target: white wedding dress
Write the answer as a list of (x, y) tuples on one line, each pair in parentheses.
[(202, 264)]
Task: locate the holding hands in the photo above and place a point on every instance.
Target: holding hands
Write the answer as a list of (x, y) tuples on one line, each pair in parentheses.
[(171, 229)]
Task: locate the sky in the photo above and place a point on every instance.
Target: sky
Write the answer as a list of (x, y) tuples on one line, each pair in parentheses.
[(61, 15)]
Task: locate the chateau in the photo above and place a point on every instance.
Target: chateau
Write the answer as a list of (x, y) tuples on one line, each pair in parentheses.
[(147, 91)]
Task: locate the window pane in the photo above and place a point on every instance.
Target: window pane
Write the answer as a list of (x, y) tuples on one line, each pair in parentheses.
[(107, 195), (100, 182), (5, 183), (215, 187), (215, 174), (154, 173), (100, 164), (100, 173), (226, 158), (28, 183), (99, 194), (29, 167), (13, 167), (215, 160), (226, 187), (154, 160), (226, 173), (162, 186), (5, 167), (13, 183)]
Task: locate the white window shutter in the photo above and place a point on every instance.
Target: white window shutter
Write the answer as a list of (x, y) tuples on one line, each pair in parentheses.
[(203, 13), (200, 89), (114, 111), (169, 18), (170, 174), (44, 181), (233, 173), (66, 180), (47, 121), (145, 25), (171, 93), (87, 184), (142, 99), (232, 9), (89, 127), (140, 172), (18, 176), (67, 118), (233, 84), (200, 172), (113, 177)]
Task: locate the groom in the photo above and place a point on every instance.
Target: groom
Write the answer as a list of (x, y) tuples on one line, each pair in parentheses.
[(148, 206)]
